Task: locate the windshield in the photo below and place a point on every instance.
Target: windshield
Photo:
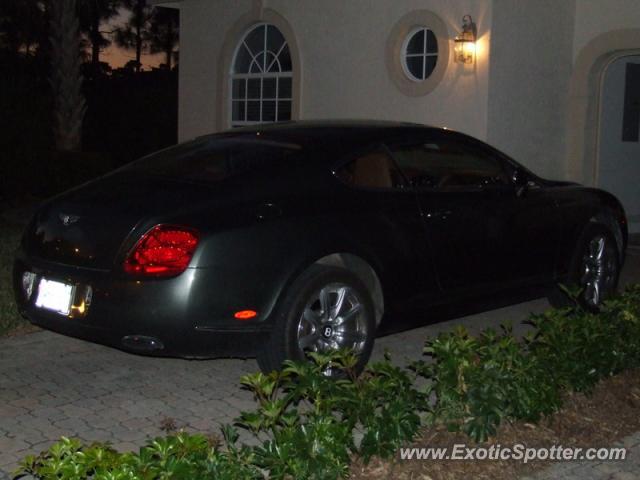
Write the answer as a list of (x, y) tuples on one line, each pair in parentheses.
[(212, 159)]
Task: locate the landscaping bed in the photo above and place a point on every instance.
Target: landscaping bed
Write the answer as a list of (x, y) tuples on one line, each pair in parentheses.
[(608, 414), (572, 381)]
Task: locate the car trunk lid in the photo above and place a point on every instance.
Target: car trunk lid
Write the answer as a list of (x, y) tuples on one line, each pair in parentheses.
[(86, 227)]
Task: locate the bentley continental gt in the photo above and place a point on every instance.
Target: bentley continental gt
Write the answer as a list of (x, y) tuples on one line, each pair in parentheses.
[(275, 241)]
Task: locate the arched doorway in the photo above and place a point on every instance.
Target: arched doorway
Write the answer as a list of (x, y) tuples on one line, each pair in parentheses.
[(618, 158), (585, 89)]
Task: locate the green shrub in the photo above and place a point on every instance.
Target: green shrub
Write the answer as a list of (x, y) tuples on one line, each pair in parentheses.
[(387, 407), (580, 348), (311, 423), (479, 381), (296, 410), (179, 456), (311, 417)]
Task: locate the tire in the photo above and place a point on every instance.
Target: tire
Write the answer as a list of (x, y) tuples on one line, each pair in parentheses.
[(594, 269), (301, 324)]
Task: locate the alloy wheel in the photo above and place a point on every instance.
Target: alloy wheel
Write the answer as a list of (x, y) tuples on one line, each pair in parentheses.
[(599, 270), (333, 318)]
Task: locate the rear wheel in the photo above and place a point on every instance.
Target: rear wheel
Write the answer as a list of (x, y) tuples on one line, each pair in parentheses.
[(326, 308), (595, 269)]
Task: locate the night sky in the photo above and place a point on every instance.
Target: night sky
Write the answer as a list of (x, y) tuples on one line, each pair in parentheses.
[(118, 57)]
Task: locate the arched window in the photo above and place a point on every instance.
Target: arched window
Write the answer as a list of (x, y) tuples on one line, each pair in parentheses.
[(261, 78)]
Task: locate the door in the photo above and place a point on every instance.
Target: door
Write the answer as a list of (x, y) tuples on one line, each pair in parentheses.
[(532, 223), (385, 216), (478, 223), (619, 138)]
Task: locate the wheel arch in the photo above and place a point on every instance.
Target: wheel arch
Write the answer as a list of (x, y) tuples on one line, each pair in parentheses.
[(607, 218), (604, 217), (597, 207), (364, 271)]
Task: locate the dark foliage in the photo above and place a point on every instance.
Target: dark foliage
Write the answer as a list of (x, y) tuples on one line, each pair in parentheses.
[(26, 134), (127, 116), (130, 114), (23, 25), (92, 15)]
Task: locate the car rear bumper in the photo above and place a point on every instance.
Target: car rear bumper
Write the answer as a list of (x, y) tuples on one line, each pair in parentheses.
[(197, 344), (153, 317)]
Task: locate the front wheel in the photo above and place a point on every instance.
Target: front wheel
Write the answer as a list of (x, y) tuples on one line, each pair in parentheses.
[(326, 308), (594, 269)]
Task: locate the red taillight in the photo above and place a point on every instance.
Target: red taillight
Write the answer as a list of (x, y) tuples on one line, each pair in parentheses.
[(163, 251)]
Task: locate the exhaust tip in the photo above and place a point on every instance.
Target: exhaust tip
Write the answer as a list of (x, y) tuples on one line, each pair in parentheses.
[(141, 343)]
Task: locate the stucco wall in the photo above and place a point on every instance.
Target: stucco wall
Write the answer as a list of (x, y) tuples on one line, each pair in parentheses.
[(595, 17), (342, 50), (531, 58), (203, 27), (522, 95)]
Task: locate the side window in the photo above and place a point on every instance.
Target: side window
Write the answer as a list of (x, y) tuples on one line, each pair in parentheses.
[(373, 169), (441, 164)]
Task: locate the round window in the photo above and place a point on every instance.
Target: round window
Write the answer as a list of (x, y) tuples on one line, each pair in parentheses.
[(419, 54)]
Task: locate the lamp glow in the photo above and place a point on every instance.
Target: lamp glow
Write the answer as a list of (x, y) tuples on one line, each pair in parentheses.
[(465, 43)]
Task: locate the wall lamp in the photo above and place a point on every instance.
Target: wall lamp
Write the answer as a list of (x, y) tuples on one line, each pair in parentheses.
[(465, 43)]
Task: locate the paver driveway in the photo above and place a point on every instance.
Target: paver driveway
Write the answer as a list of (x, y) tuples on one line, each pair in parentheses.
[(51, 385)]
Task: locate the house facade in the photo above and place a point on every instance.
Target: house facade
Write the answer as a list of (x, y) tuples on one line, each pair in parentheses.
[(553, 83)]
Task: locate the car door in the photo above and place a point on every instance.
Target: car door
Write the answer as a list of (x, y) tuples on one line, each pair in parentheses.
[(474, 215), (385, 217), (533, 225)]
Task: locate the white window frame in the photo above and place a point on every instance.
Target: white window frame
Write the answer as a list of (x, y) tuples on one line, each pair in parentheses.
[(424, 53), (264, 74)]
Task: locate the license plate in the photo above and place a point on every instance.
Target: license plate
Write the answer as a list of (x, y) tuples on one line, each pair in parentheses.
[(55, 296)]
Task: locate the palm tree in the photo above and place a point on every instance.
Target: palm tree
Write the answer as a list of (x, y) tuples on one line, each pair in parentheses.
[(66, 80), (164, 33), (134, 34)]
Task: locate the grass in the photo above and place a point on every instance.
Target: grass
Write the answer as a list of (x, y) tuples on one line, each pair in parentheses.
[(9, 317)]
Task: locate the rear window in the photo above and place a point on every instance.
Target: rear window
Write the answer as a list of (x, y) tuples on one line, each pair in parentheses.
[(211, 159)]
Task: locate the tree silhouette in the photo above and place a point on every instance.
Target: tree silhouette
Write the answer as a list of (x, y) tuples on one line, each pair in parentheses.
[(156, 30), (66, 80), (93, 14), (134, 34), (164, 33), (22, 25)]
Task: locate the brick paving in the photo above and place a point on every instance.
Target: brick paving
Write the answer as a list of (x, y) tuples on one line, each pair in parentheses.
[(51, 385), (627, 469)]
